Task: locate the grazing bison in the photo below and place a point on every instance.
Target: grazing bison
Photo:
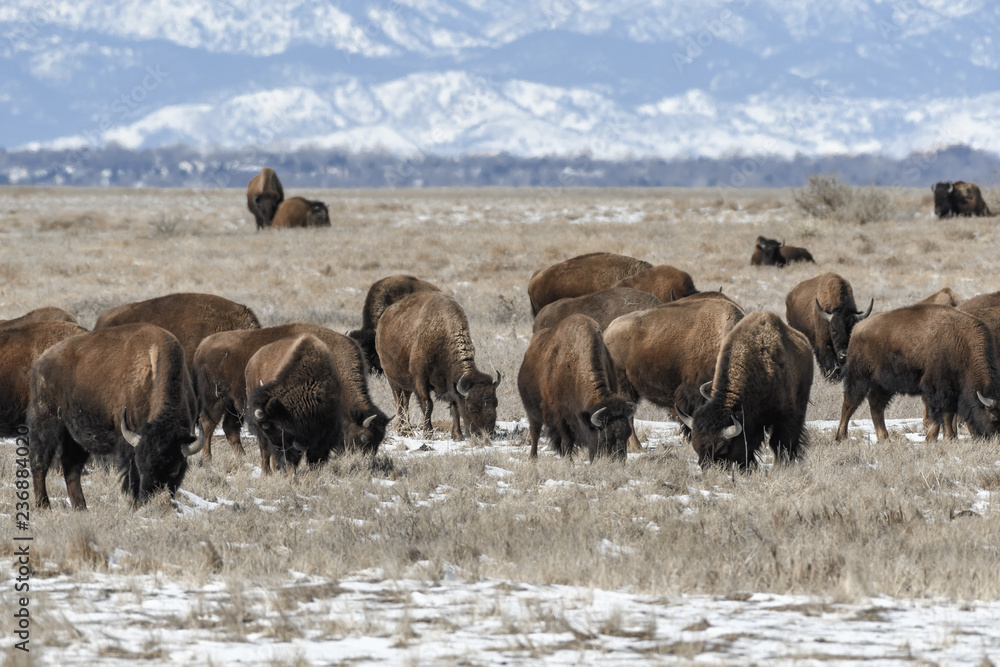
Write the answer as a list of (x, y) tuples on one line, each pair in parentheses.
[(603, 306), (823, 309), (294, 402), (664, 282), (567, 383), (123, 391), (762, 382), (580, 275), (942, 354), (665, 354), (424, 343), (958, 198), (943, 297), (299, 212), (769, 252), (219, 368), (264, 194), (382, 294), (190, 317), (19, 348), (47, 314)]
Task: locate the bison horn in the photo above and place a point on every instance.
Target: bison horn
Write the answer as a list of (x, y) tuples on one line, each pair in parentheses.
[(595, 418), (687, 421), (463, 387), (706, 390), (731, 432), (258, 414), (497, 382), (868, 312), (199, 442), (130, 436), (988, 402), (826, 316), (368, 421)]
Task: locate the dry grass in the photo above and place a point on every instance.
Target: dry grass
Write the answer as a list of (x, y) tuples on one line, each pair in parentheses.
[(852, 519), (829, 198)]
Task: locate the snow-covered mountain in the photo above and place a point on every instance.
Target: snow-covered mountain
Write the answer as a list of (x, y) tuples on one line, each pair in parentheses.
[(619, 78)]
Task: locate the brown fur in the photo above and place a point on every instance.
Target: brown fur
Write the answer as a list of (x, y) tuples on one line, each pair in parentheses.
[(264, 195), (299, 212), (382, 294), (664, 354), (943, 297), (603, 306), (770, 252), (79, 389), (294, 402), (584, 274), (566, 378), (424, 343), (191, 317), (20, 346), (937, 352), (959, 198), (664, 282), (46, 314), (828, 338), (219, 368)]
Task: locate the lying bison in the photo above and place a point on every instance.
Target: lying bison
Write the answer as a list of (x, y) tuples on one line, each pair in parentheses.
[(769, 252), (424, 343), (942, 354), (299, 212), (219, 368), (189, 316), (665, 354), (46, 314), (20, 347), (664, 282), (762, 381), (823, 309), (294, 400), (580, 275), (603, 306), (568, 384), (264, 194), (123, 392), (382, 294), (958, 198)]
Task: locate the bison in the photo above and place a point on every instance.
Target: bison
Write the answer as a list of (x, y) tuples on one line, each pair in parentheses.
[(769, 252), (942, 354), (46, 314), (382, 294), (19, 348), (823, 309), (664, 282), (603, 306), (219, 368), (567, 383), (300, 212), (424, 343), (191, 317), (943, 297), (665, 354), (264, 194), (580, 275), (762, 381), (294, 400), (958, 198), (122, 391)]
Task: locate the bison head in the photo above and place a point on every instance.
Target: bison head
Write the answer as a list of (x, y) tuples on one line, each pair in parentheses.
[(157, 457), (841, 323), (267, 204), (319, 215), (770, 251), (942, 199), (288, 433), (981, 413), (477, 402), (610, 419), (365, 433), (717, 437)]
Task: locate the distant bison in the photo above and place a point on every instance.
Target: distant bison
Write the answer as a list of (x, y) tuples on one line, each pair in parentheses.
[(584, 274), (664, 282), (188, 316), (20, 346), (219, 368), (942, 354), (294, 402), (943, 297), (264, 194), (122, 391), (603, 306), (823, 309), (382, 294), (424, 343), (567, 383), (958, 198), (299, 212), (762, 381), (665, 354), (46, 314), (769, 252)]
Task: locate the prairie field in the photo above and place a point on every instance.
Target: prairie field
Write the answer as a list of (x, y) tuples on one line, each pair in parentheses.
[(470, 553)]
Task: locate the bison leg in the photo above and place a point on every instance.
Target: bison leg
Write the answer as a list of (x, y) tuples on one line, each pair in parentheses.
[(878, 401), (401, 397), (231, 427), (852, 401), (427, 407), (633, 440), (456, 423), (73, 457), (534, 431), (931, 427)]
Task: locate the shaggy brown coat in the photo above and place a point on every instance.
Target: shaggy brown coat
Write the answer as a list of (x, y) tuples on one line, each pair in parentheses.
[(664, 282), (382, 294), (46, 314), (603, 306), (300, 212), (264, 194), (584, 274), (943, 297), (770, 252), (959, 198)]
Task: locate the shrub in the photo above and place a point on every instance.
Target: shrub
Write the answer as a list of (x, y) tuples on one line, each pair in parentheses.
[(830, 198)]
